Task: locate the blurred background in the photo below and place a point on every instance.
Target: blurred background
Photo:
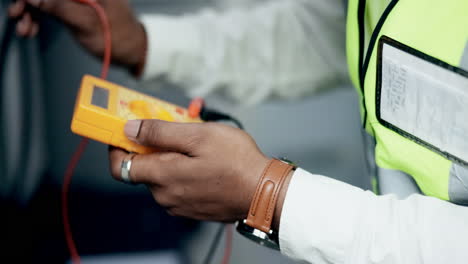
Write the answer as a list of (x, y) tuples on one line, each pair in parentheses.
[(113, 222)]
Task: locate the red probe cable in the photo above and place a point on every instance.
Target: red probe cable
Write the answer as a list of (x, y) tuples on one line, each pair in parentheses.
[(75, 257), (106, 32), (228, 246), (65, 188)]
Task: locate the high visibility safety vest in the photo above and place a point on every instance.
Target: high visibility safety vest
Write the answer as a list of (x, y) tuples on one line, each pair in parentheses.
[(408, 60)]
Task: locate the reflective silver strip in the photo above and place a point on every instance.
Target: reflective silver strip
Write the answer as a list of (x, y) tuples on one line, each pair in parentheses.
[(458, 185), (464, 60), (396, 182)]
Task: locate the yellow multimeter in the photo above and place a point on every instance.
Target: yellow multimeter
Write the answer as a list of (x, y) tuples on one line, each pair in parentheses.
[(103, 108)]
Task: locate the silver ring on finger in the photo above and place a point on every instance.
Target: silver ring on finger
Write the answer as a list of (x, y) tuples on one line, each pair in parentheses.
[(125, 168)]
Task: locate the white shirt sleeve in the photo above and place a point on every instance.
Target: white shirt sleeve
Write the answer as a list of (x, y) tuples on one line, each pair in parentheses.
[(283, 48), (327, 221)]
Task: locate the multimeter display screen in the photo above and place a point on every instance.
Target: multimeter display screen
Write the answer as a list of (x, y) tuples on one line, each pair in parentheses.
[(100, 97)]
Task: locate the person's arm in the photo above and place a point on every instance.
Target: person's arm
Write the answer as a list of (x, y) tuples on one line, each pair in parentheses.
[(210, 172), (281, 48), (128, 35), (327, 221)]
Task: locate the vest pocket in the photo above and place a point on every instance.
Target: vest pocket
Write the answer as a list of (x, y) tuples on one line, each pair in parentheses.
[(423, 99)]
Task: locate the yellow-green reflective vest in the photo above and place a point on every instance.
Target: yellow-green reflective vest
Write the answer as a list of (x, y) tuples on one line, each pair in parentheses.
[(408, 60)]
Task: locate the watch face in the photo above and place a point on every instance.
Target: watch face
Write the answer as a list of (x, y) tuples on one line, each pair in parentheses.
[(260, 237)]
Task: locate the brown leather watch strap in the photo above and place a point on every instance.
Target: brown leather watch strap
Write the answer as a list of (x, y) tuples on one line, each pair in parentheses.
[(263, 204)]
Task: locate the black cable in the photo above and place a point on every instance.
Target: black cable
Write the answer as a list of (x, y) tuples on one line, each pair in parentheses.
[(212, 115), (5, 44), (26, 132), (7, 40), (214, 245)]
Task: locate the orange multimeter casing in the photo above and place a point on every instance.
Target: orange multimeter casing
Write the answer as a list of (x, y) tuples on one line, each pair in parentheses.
[(103, 108)]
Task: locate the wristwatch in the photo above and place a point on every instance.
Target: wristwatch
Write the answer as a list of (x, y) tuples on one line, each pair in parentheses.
[(257, 226)]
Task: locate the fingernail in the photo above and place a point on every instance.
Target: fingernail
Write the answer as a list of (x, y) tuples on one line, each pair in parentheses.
[(35, 3), (132, 128)]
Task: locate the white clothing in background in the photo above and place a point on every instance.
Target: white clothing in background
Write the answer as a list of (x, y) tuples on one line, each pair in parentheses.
[(327, 221), (281, 48)]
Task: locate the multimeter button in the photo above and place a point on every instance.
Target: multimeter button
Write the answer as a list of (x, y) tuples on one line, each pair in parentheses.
[(180, 111), (165, 115), (196, 107), (141, 109)]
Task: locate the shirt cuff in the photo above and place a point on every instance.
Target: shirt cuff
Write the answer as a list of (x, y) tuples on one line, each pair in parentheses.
[(173, 43), (317, 218)]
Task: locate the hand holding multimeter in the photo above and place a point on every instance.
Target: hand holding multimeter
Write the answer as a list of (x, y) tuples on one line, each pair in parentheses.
[(103, 108)]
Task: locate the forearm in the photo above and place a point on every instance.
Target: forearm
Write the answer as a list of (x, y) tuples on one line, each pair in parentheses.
[(325, 221)]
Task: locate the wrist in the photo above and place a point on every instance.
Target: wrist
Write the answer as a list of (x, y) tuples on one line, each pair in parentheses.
[(251, 181), (264, 216), (267, 203)]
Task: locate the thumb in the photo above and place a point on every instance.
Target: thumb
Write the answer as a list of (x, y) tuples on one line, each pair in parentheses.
[(167, 136)]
